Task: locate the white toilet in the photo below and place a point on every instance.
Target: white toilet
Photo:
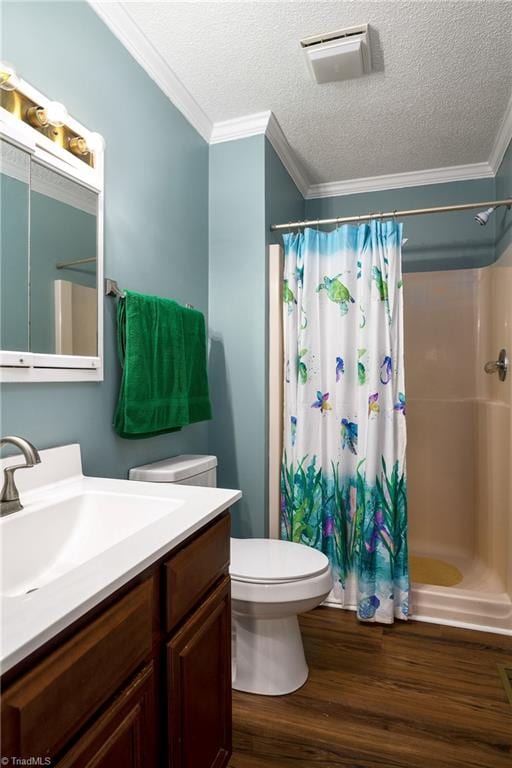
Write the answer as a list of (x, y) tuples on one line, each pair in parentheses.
[(272, 582)]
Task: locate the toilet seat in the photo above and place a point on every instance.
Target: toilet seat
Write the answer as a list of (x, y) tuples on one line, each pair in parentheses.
[(273, 561)]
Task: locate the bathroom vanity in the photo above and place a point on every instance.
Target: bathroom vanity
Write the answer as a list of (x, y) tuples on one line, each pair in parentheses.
[(122, 658)]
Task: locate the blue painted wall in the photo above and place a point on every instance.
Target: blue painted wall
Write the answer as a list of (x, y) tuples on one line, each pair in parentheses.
[(156, 238), (284, 201), (437, 241), (503, 215), (237, 320), (249, 188)]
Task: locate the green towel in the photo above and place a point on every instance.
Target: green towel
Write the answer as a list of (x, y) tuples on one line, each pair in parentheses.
[(162, 350)]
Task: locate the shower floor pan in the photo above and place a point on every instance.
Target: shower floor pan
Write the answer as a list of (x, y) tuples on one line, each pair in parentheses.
[(475, 599)]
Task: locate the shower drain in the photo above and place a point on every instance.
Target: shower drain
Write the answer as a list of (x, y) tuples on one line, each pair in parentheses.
[(505, 671)]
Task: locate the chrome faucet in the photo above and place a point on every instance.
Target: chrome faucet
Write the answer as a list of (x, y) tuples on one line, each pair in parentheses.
[(9, 496)]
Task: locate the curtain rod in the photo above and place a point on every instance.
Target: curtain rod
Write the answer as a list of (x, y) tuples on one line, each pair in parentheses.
[(393, 214)]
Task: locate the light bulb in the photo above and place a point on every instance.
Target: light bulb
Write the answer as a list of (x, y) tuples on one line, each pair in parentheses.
[(56, 113), (95, 142), (9, 80)]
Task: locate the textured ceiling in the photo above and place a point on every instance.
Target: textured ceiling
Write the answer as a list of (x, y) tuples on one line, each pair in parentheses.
[(440, 87)]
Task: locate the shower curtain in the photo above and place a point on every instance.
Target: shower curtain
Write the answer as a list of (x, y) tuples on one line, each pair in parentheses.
[(343, 485)]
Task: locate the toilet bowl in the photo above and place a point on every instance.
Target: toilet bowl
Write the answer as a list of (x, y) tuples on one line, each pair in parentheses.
[(271, 583)]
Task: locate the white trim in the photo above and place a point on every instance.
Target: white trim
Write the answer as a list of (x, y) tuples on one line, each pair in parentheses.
[(502, 140), (43, 360), (275, 387), (286, 154), (240, 127), (401, 180), (27, 367), (121, 24)]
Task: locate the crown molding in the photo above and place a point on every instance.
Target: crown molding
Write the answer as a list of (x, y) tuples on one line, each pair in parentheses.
[(119, 21), (128, 33), (399, 180), (286, 154), (503, 139), (240, 127)]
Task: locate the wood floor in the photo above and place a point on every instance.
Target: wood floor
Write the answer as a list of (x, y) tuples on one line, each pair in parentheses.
[(412, 695)]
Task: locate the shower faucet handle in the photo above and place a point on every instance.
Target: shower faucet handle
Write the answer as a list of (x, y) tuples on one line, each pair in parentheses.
[(500, 365)]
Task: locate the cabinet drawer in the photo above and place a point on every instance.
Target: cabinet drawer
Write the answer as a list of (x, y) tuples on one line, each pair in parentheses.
[(45, 707), (194, 569)]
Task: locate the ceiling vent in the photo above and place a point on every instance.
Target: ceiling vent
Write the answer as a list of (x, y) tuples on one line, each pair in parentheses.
[(338, 55)]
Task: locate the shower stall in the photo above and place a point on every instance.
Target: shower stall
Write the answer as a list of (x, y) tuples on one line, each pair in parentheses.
[(459, 421), (459, 427)]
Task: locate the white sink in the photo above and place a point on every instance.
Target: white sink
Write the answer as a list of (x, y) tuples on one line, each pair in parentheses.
[(79, 539), (44, 542)]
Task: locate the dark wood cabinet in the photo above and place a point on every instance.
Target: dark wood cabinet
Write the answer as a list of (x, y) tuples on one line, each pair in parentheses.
[(123, 736), (143, 680), (45, 707), (199, 690)]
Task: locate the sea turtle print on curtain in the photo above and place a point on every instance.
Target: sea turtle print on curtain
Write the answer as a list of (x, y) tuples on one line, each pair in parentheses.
[(343, 484)]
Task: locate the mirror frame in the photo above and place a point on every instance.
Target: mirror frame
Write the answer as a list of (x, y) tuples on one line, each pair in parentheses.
[(31, 366)]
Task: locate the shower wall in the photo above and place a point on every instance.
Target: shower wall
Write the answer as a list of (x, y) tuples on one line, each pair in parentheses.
[(459, 420), (493, 423)]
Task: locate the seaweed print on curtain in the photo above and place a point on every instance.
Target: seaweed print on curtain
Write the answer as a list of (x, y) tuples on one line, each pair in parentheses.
[(343, 487)]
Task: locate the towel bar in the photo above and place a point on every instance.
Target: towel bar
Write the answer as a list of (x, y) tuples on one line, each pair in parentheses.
[(112, 289)]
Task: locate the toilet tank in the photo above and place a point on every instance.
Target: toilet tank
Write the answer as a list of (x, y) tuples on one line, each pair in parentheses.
[(187, 469)]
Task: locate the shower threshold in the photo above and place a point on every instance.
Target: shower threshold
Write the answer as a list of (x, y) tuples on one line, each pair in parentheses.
[(459, 591)]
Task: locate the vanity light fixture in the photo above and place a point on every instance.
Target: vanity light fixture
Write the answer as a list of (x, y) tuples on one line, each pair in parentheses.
[(49, 118), (57, 114), (9, 80)]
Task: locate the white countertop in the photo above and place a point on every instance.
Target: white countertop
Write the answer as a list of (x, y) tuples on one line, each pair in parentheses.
[(29, 620)]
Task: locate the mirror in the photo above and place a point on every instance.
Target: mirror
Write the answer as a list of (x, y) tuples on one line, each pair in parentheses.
[(14, 262), (63, 307), (49, 291)]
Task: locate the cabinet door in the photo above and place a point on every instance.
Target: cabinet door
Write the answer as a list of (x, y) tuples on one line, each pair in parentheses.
[(123, 736), (199, 686)]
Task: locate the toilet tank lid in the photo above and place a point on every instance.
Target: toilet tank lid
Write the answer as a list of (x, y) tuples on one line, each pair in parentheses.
[(174, 469)]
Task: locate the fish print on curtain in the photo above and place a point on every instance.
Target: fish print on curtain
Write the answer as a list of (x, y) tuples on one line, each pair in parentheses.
[(343, 483)]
